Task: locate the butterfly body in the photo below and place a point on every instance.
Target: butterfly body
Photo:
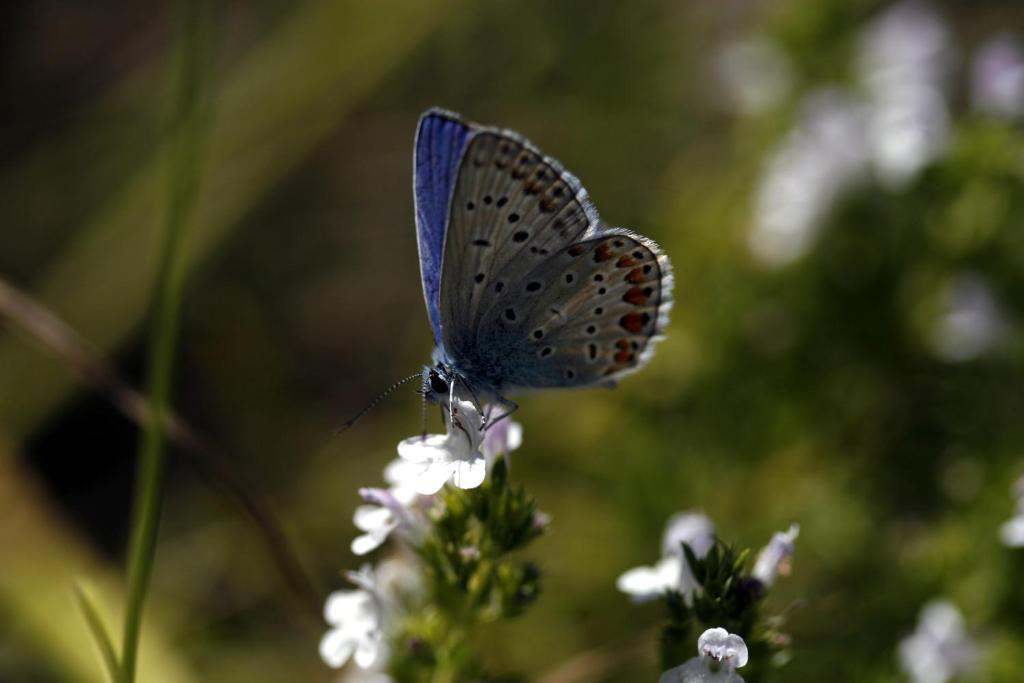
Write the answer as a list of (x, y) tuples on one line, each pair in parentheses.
[(525, 287)]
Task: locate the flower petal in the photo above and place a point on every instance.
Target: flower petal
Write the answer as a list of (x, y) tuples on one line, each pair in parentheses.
[(369, 650), (367, 543), (723, 646), (642, 583), (693, 528), (372, 517), (1012, 532), (771, 559), (418, 449), (336, 647), (344, 606), (698, 670), (468, 474), (433, 478)]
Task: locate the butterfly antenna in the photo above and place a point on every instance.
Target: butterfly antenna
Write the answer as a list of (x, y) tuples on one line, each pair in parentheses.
[(373, 404)]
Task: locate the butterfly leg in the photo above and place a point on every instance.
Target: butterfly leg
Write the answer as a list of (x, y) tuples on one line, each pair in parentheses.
[(476, 403), (511, 407)]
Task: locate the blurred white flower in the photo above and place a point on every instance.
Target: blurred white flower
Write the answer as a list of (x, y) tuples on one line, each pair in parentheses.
[(541, 520), (904, 61), (896, 127), (692, 528), (819, 159), (377, 523), (384, 514), (997, 77), (501, 438), (939, 650), (774, 557), (455, 456), (971, 324), (719, 654), (1012, 532), (365, 676), (672, 571), (357, 618), (755, 74), (907, 43), (906, 131)]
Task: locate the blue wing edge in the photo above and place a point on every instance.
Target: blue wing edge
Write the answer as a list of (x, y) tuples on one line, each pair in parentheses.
[(441, 139)]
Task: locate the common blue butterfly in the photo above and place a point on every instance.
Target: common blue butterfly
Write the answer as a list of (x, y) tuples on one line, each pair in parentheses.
[(526, 287)]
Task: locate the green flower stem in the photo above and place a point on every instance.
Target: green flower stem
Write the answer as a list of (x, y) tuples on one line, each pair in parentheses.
[(183, 171)]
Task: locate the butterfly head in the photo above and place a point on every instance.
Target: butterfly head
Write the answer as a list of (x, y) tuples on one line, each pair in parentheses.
[(437, 383)]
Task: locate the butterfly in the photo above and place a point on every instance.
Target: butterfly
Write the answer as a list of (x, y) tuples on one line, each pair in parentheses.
[(526, 287)]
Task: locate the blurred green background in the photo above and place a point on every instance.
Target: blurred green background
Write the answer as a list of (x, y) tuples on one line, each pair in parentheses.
[(844, 350)]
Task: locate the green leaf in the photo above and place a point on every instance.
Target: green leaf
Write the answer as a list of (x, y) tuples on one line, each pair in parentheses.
[(696, 566)]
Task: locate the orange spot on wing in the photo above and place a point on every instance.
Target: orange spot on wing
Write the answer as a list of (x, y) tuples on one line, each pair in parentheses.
[(603, 253), (634, 322), (635, 276), (623, 357), (626, 261), (636, 296)]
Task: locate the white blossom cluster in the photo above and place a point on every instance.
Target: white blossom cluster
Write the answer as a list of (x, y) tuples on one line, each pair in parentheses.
[(719, 653), (1012, 532), (360, 619), (671, 572), (885, 128), (940, 649)]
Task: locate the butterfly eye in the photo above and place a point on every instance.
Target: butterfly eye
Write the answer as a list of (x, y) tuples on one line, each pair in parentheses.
[(437, 383)]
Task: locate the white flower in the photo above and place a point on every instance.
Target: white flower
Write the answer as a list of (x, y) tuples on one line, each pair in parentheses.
[(357, 618), (501, 438), (719, 654), (384, 514), (692, 528), (905, 57), (455, 456), (997, 78), (672, 571), (365, 676), (939, 649), (971, 323), (402, 475), (817, 161), (773, 558), (755, 74), (895, 126), (377, 522), (1012, 532)]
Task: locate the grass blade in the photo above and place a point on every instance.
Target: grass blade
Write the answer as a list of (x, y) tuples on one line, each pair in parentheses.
[(99, 634), (183, 172)]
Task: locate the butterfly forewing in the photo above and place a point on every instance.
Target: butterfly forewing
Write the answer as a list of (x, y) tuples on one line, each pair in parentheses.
[(512, 208), (440, 139)]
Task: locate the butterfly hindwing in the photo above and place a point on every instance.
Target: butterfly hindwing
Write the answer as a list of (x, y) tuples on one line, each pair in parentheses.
[(586, 315), (440, 140), (512, 208)]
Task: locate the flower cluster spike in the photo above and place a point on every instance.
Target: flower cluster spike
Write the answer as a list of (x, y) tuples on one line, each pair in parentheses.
[(453, 518)]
